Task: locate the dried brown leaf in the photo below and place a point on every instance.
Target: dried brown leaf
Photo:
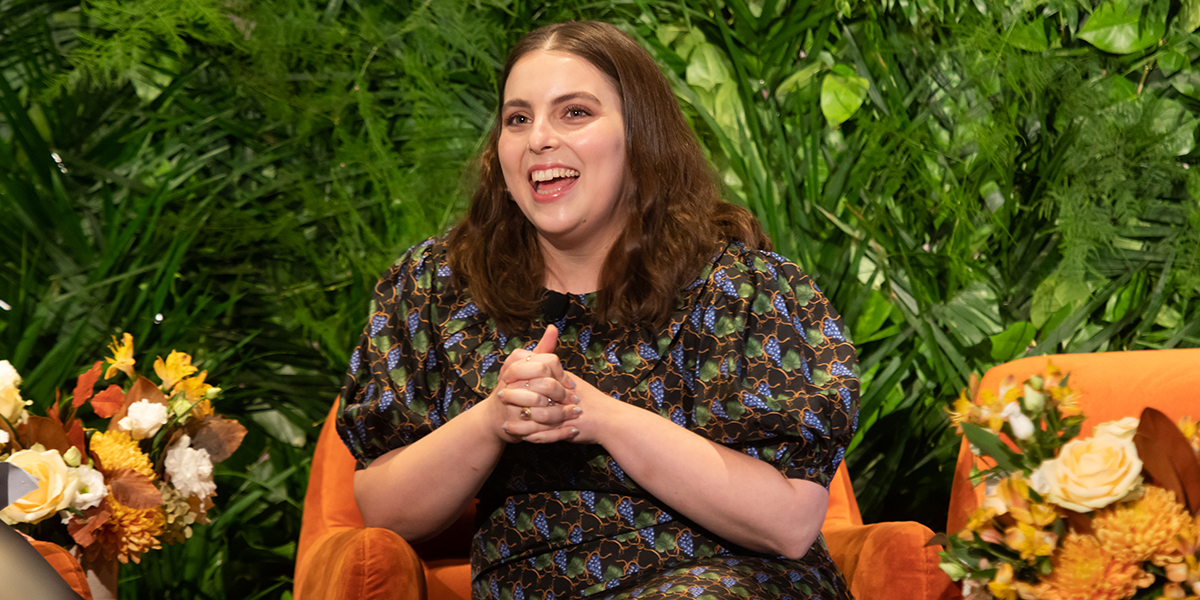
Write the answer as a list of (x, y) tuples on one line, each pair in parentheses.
[(81, 529), (133, 489), (218, 435), (85, 385), (1168, 458), (108, 402), (47, 432)]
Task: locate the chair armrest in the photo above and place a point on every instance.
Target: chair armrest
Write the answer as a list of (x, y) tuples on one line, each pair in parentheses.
[(369, 563), (890, 561)]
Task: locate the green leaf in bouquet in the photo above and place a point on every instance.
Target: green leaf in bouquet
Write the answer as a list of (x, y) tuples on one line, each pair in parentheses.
[(1172, 61), (991, 446)]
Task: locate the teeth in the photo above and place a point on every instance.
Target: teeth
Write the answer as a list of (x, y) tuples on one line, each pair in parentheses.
[(548, 174)]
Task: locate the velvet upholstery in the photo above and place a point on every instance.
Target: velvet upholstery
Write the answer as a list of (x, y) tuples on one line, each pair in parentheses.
[(338, 558), (1111, 386)]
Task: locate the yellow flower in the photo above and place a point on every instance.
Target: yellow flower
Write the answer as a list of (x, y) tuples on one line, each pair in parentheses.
[(194, 388), (962, 411), (122, 358), (1084, 570), (117, 450), (175, 369), (990, 410), (1191, 430), (1001, 585), (130, 532), (1154, 527), (1012, 492), (1029, 541), (1040, 515)]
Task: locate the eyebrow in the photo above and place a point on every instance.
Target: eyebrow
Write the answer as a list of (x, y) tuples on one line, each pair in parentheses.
[(518, 103)]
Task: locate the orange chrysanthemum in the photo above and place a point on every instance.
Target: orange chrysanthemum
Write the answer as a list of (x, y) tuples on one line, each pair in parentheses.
[(130, 532), (1085, 570), (1154, 527), (117, 450)]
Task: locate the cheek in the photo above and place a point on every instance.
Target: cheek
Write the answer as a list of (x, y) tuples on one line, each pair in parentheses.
[(509, 151)]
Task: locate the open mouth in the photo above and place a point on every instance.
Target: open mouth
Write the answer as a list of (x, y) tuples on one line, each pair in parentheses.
[(550, 181)]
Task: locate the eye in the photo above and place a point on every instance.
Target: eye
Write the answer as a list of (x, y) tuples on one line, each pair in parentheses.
[(577, 112), (516, 119)]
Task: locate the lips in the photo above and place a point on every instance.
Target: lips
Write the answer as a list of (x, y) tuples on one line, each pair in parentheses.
[(550, 182)]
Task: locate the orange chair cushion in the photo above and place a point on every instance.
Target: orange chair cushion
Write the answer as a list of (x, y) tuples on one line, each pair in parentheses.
[(1111, 386), (879, 561), (66, 565), (367, 563)]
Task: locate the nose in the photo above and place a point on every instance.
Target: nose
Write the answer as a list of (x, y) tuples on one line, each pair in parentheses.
[(542, 136)]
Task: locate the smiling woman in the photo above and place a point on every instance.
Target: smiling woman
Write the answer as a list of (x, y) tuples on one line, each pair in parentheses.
[(682, 367)]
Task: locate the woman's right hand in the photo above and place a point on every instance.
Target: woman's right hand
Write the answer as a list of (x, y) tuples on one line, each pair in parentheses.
[(534, 400)]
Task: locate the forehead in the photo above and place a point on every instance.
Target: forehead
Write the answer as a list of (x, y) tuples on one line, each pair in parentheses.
[(548, 74)]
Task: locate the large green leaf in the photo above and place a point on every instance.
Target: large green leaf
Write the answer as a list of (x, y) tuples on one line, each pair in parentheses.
[(842, 93), (1012, 342), (1123, 27), (1029, 36)]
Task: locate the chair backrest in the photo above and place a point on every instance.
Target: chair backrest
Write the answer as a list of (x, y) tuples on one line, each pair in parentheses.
[(1111, 385), (329, 505)]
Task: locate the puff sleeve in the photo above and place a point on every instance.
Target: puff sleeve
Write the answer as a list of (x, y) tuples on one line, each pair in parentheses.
[(782, 385), (389, 395)]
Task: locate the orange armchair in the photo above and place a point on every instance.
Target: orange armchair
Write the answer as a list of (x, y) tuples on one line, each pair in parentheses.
[(339, 558), (1111, 386)]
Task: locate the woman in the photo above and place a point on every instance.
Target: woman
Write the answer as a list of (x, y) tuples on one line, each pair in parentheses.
[(657, 402)]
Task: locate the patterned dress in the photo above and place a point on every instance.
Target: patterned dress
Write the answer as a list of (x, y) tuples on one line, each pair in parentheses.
[(753, 358)]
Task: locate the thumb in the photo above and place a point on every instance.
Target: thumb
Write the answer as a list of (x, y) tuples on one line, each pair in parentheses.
[(548, 342)]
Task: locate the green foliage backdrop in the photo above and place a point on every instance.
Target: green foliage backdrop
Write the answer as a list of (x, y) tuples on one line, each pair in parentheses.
[(970, 182)]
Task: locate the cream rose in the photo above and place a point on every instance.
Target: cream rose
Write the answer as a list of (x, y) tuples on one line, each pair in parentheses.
[(1092, 473), (57, 485), (1124, 429), (12, 406), (144, 419)]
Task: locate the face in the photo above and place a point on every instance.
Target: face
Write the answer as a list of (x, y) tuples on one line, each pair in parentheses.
[(562, 149)]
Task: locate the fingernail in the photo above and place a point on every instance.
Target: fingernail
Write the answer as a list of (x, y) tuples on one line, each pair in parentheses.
[(574, 432), (578, 411), (570, 383), (504, 427), (574, 399), (500, 394)]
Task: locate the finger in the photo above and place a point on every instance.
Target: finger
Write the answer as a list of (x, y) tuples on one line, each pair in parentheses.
[(538, 365), (535, 392), (543, 415), (548, 342), (560, 434)]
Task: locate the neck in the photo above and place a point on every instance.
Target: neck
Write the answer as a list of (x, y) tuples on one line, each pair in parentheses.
[(573, 270)]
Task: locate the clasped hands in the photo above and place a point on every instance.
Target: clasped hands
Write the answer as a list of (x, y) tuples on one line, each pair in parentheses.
[(536, 399)]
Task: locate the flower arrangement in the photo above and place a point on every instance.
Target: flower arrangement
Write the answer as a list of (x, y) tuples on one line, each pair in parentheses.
[(143, 478), (1109, 517)]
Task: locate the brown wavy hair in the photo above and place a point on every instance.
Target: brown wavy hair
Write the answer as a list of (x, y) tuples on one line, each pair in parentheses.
[(672, 203)]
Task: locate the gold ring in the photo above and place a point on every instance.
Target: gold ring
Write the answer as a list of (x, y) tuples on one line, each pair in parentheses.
[(526, 414), (526, 385), (529, 357)]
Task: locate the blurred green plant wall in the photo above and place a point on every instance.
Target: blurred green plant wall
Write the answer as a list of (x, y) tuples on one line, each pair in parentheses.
[(971, 182)]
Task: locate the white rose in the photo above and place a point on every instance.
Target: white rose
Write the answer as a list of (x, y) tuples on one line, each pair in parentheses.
[(144, 419), (56, 487), (91, 488), (1124, 429), (3, 437), (1092, 473), (1022, 427), (12, 406), (190, 470)]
